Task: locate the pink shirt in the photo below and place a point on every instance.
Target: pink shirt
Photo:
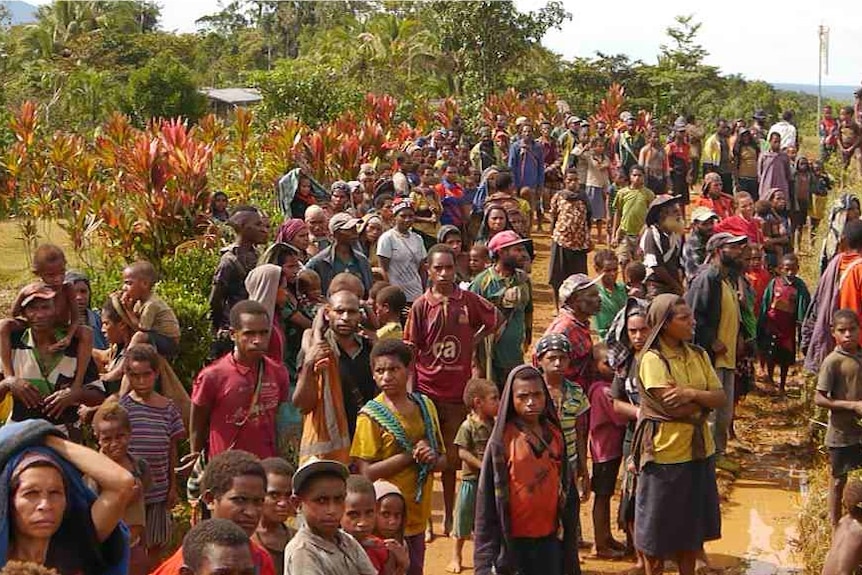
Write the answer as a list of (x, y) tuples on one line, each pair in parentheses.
[(227, 388), (607, 429)]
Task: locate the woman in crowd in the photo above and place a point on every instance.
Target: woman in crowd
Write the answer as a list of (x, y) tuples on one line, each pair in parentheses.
[(294, 232), (676, 507), (49, 516)]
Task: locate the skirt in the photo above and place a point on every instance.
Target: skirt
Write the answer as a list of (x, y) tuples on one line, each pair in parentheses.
[(159, 525), (465, 509), (676, 507), (596, 198), (565, 262)]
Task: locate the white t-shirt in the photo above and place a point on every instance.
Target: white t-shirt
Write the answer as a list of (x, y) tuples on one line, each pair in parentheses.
[(787, 132), (405, 254)]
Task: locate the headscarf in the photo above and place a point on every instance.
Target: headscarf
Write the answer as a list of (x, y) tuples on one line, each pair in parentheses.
[(262, 284), (291, 228), (493, 543), (652, 410), (445, 231), (482, 236), (287, 189), (837, 220), (620, 350)]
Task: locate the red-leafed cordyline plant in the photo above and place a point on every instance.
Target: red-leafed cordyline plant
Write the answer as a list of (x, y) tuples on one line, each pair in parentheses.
[(511, 105), (282, 149), (380, 107), (446, 112), (610, 107)]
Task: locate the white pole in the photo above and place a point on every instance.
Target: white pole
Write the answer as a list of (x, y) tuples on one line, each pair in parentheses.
[(819, 77)]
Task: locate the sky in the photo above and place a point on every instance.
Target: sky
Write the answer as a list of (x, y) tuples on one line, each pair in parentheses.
[(761, 40)]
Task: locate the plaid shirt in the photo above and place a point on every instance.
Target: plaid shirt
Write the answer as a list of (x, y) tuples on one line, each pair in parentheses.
[(578, 333)]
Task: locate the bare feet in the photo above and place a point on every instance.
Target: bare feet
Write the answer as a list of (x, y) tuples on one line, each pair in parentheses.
[(454, 566), (429, 532)]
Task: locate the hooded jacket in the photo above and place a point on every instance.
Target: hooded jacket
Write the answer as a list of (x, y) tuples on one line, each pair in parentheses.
[(493, 544), (76, 535)]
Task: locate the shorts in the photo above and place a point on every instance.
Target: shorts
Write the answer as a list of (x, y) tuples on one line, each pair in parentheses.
[(845, 459), (627, 250), (604, 481), (465, 509), (450, 416), (165, 346)]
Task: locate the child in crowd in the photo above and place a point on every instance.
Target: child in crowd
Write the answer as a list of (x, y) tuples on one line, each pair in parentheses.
[(274, 531), (570, 232), (157, 428), (516, 530), (785, 303), (845, 555), (390, 511), (598, 174), (820, 188), (800, 201), (480, 258), (389, 303), (838, 390), (607, 430), (451, 236), (635, 277), (398, 439), (320, 546), (112, 430), (613, 293), (482, 399), (756, 273), (309, 291), (360, 521), (84, 298), (49, 264), (154, 321)]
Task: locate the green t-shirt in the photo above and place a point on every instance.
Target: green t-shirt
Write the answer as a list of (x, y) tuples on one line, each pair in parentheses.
[(632, 205), (612, 302), (508, 349)]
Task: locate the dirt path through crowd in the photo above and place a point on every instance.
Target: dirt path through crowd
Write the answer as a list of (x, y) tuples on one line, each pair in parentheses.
[(760, 507)]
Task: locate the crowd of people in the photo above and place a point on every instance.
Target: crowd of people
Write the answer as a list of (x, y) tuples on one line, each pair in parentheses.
[(382, 333)]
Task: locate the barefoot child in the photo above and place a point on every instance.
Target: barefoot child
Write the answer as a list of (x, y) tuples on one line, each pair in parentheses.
[(360, 521), (273, 532), (845, 555), (839, 389), (154, 321), (483, 399), (49, 263), (389, 302), (607, 430), (157, 428), (112, 430), (613, 293), (635, 277), (398, 439), (785, 303), (517, 531)]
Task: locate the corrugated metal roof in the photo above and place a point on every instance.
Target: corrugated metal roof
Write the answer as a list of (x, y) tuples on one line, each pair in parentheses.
[(233, 95)]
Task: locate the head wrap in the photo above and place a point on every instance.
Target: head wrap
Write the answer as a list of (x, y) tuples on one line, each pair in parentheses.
[(262, 284), (289, 230), (552, 342)]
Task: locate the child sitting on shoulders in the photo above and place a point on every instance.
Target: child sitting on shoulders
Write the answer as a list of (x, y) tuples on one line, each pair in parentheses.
[(482, 399), (517, 531), (274, 532), (389, 303), (157, 429), (154, 321), (360, 520), (845, 555), (398, 439), (319, 492), (49, 264), (607, 430), (113, 430)]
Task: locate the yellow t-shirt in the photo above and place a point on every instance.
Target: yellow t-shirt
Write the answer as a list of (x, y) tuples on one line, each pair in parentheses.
[(689, 367), (728, 326), (372, 443), (391, 330)]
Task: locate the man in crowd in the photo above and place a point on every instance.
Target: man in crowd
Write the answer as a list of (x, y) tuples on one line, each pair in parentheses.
[(717, 155), (713, 300), (786, 130), (703, 221), (343, 255), (661, 244), (444, 327), (579, 302), (527, 164)]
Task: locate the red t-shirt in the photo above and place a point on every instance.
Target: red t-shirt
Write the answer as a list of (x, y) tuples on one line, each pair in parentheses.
[(739, 226), (442, 335), (263, 564), (227, 388)]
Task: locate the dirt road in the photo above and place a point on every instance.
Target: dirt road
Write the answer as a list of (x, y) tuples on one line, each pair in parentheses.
[(760, 508)]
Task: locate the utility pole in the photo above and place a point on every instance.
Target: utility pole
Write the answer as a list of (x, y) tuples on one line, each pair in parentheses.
[(822, 68)]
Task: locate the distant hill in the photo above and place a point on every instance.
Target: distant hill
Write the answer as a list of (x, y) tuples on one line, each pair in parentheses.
[(841, 93), (20, 12)]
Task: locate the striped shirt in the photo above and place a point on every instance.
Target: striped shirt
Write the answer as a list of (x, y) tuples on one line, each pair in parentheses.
[(153, 430)]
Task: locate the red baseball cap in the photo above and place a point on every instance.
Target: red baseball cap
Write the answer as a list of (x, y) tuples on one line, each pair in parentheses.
[(505, 239)]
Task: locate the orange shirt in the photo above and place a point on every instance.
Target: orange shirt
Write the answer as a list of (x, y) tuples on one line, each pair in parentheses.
[(262, 562), (534, 481), (850, 294), (722, 206)]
